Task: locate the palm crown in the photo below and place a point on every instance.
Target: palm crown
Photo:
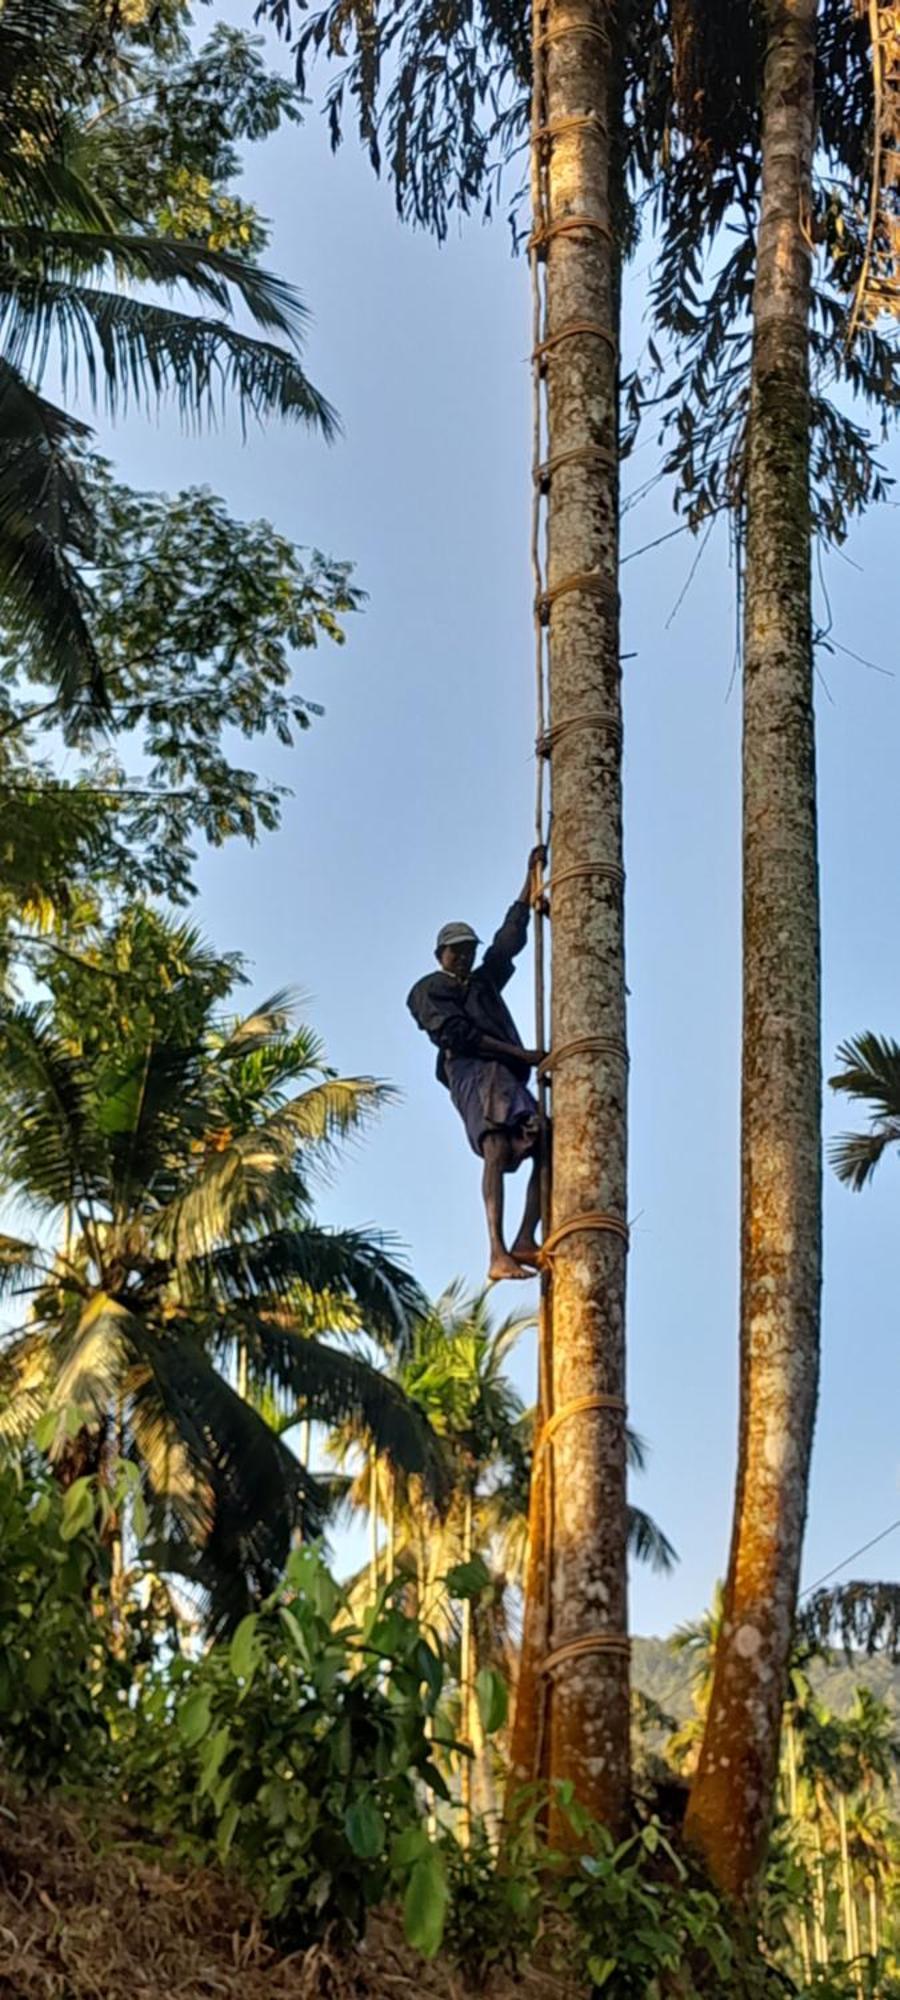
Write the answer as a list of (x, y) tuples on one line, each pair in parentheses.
[(176, 1148)]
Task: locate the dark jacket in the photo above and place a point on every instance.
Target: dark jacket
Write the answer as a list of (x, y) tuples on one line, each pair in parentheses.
[(455, 1013)]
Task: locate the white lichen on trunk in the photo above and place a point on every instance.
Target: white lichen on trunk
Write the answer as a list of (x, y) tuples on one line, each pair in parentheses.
[(588, 1697), (733, 1794)]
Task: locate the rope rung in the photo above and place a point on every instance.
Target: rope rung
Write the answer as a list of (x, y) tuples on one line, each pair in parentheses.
[(581, 454), (555, 127), (592, 1642), (590, 718), (586, 579), (570, 331), (594, 1220), (584, 1045), (581, 871), (568, 225), (591, 28), (579, 1406)]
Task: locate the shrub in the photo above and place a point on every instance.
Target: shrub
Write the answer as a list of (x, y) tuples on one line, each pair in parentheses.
[(300, 1754)]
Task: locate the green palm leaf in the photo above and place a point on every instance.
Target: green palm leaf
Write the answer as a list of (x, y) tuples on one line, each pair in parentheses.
[(333, 1387), (871, 1072), (338, 1264), (44, 1143)]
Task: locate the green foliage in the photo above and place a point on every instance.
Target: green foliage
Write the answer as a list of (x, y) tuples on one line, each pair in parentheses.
[(178, 1144), (77, 258), (60, 1676), (196, 620), (495, 1906), (299, 1755)]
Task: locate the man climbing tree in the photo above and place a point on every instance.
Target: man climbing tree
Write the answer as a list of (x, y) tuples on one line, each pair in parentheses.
[(483, 1064)]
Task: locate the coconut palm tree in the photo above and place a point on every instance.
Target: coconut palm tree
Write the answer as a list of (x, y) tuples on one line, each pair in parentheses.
[(72, 273), (173, 1149), (870, 1073)]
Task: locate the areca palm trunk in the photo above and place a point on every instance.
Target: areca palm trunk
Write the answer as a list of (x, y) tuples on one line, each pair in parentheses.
[(585, 1679), (731, 1804), (466, 1685)]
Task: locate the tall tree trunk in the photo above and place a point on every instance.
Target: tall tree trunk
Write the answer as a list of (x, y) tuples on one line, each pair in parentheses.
[(465, 1689), (851, 1932), (793, 1808), (731, 1802), (391, 1546), (585, 1681), (820, 1900), (874, 1929), (373, 1522)]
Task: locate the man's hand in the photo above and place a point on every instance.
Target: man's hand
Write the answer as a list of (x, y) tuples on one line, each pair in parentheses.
[(537, 861)]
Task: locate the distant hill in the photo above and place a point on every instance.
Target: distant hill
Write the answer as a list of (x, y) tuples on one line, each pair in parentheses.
[(665, 1675)]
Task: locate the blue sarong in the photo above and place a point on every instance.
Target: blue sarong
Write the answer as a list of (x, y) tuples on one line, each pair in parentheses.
[(490, 1099)]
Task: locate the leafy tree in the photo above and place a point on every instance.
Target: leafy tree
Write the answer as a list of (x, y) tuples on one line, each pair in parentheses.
[(174, 1148), (196, 620), (68, 250)]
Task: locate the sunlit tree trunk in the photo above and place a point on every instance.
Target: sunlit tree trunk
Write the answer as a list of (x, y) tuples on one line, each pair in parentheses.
[(585, 1711), (391, 1524), (851, 1932), (820, 1903), (874, 1925), (793, 1810), (373, 1522), (466, 1686), (731, 1803)]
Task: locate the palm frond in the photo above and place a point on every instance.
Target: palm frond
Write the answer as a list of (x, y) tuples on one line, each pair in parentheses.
[(647, 1543), (258, 1491), (165, 261), (871, 1070), (334, 1264), (140, 352), (242, 1180), (21, 1263), (332, 1386), (46, 525), (44, 1144), (859, 1616), (855, 1155)]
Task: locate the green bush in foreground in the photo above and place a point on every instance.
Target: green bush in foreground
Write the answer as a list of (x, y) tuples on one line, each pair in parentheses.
[(301, 1756)]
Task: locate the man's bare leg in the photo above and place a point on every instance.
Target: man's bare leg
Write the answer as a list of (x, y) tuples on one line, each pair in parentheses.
[(496, 1155), (525, 1246)]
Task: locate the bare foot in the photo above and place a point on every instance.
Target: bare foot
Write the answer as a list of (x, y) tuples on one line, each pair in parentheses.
[(526, 1253), (504, 1266)]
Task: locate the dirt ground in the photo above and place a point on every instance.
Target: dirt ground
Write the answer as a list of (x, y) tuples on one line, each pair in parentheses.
[(80, 1924)]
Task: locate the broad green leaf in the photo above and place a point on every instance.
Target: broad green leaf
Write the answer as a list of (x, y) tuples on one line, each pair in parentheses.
[(45, 1429), (425, 1904), (38, 1674), (601, 1969), (409, 1846), (493, 1699), (227, 1829), (193, 1717), (213, 1756), (242, 1654), (77, 1509), (365, 1829), (468, 1579)]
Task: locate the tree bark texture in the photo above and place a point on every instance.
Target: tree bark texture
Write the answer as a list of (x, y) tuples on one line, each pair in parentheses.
[(586, 1691), (732, 1798)]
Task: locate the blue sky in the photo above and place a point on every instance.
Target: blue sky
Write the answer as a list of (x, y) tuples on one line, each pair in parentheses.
[(414, 803)]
